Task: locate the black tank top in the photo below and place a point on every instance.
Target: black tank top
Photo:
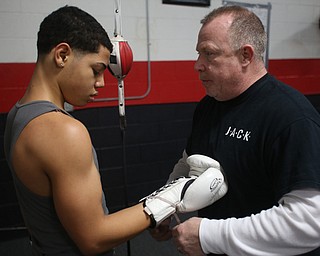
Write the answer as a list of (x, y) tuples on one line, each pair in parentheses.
[(48, 237)]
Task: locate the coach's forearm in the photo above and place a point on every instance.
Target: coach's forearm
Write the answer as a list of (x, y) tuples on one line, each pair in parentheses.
[(291, 228)]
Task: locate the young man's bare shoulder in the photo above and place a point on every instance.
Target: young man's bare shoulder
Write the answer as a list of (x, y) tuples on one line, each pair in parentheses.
[(56, 121), (53, 136), (55, 127)]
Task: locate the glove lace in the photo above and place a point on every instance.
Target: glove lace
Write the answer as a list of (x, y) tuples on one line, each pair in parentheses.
[(155, 193)]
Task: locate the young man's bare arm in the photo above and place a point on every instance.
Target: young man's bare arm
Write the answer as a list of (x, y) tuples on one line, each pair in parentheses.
[(65, 156)]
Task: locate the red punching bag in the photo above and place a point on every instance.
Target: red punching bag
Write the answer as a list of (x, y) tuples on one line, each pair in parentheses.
[(121, 57), (121, 60)]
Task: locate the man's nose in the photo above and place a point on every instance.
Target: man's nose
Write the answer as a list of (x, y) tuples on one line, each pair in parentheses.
[(198, 65)]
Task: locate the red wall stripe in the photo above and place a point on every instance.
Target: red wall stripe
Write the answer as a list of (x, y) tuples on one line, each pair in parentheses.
[(302, 74), (171, 81)]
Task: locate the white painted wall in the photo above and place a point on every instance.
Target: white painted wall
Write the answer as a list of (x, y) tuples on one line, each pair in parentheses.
[(294, 27)]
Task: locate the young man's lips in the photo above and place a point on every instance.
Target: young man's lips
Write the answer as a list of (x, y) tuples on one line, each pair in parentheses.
[(92, 96)]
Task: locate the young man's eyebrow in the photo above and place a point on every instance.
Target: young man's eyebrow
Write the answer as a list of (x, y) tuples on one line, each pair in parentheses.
[(101, 64)]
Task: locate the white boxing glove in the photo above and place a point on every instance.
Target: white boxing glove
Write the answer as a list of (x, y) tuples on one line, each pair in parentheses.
[(200, 163), (209, 187), (185, 195)]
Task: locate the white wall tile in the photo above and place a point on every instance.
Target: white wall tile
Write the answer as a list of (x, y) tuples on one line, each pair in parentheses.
[(294, 27)]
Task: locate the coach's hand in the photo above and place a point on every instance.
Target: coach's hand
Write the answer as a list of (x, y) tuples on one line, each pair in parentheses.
[(186, 237)]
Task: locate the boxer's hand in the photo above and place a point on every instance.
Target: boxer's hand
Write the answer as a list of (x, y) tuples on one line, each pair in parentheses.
[(185, 195), (209, 187)]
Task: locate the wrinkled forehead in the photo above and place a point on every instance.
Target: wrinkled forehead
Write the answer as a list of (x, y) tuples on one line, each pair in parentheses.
[(215, 31), (220, 24)]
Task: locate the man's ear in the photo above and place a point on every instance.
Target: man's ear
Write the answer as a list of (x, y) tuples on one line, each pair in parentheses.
[(61, 53), (247, 54)]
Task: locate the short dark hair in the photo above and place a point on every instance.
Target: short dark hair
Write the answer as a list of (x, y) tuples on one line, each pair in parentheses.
[(246, 27), (74, 26)]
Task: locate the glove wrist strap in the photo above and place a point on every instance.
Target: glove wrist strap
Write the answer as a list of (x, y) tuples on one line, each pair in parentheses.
[(153, 222)]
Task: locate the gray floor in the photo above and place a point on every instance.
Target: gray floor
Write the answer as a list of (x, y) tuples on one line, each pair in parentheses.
[(143, 245)]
